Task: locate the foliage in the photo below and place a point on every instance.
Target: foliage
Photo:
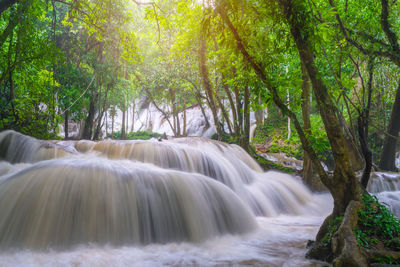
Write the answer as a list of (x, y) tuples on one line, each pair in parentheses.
[(386, 260), (376, 224), (139, 135)]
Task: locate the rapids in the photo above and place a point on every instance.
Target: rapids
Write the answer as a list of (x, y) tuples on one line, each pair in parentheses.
[(180, 202)]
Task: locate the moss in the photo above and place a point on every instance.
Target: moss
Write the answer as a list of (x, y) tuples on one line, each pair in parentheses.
[(322, 250), (269, 165)]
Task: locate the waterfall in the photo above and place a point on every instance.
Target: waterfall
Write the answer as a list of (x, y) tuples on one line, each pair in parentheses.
[(62, 193), (64, 202)]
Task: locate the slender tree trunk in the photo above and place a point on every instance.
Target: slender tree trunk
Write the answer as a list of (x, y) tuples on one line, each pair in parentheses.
[(388, 155), (106, 119), (112, 125), (123, 134), (239, 110), (289, 128), (244, 142), (66, 124), (102, 110), (184, 117), (133, 115), (199, 101), (88, 126), (306, 111), (233, 108), (363, 129), (224, 113), (207, 84)]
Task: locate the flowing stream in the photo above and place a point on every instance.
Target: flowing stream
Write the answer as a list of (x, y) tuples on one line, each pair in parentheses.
[(180, 202)]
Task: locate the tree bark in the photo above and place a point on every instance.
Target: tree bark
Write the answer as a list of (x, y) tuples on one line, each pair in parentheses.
[(112, 125), (184, 117), (207, 84), (133, 115), (88, 127), (233, 108), (66, 124), (244, 143), (123, 133), (224, 113), (308, 176), (239, 110), (388, 155)]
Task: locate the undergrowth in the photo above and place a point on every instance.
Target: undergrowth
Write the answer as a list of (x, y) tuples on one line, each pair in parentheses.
[(377, 228), (139, 135)]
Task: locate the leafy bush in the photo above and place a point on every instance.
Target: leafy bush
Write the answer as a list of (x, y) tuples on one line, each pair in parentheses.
[(139, 135), (376, 224)]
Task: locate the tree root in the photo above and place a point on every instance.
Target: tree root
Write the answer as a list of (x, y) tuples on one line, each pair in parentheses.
[(344, 243)]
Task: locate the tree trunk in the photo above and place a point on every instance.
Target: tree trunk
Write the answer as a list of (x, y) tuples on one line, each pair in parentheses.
[(308, 176), (133, 115), (288, 120), (239, 110), (199, 101), (233, 108), (244, 142), (184, 117), (66, 124), (88, 127), (123, 134), (207, 84), (112, 125), (224, 113), (106, 119), (388, 155)]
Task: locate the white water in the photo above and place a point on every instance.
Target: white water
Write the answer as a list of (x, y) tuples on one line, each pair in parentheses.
[(184, 202), (386, 186)]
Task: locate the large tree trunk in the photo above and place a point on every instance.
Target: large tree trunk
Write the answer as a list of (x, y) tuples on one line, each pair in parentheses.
[(388, 155)]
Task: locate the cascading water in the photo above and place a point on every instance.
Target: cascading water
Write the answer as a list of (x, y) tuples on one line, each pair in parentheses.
[(190, 201), (386, 186)]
